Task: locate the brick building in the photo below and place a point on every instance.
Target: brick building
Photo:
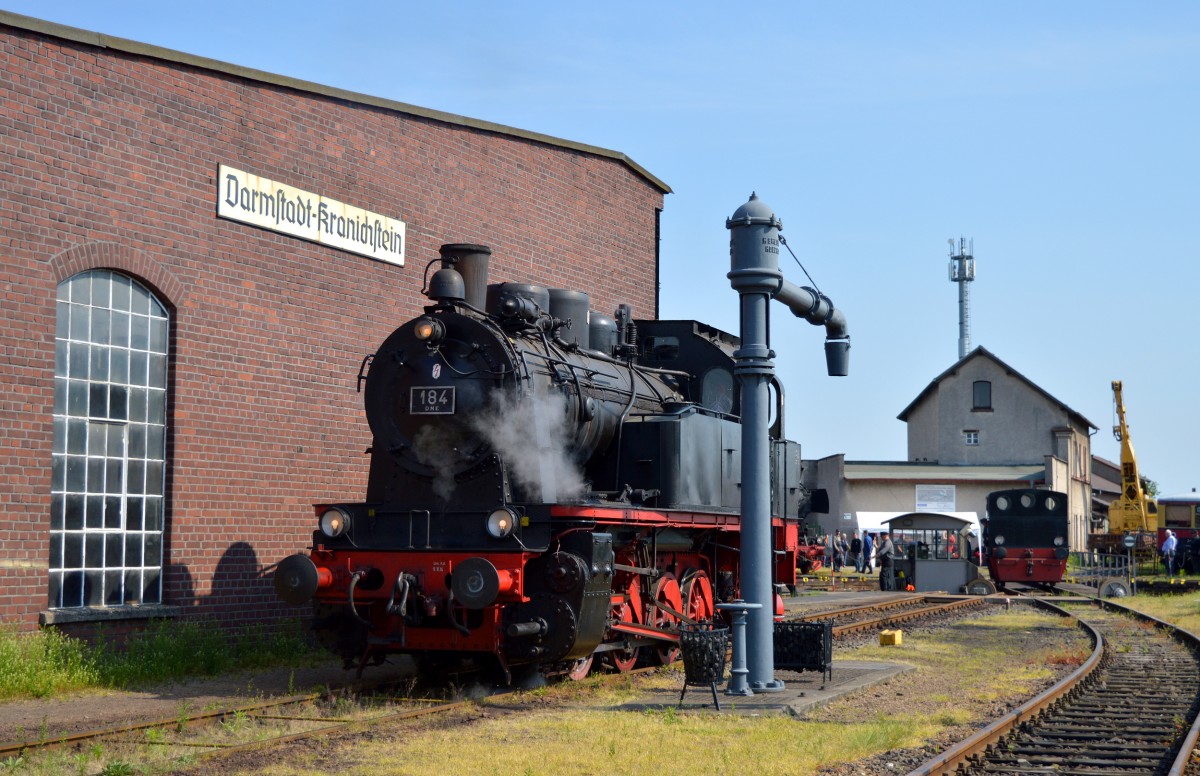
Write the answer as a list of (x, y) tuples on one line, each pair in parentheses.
[(180, 353)]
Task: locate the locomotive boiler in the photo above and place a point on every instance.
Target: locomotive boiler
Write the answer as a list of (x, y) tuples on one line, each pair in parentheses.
[(548, 485)]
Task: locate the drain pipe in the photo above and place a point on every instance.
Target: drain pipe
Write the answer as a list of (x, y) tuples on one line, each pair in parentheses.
[(754, 274)]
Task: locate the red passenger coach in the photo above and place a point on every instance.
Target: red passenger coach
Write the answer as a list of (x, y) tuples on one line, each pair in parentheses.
[(1025, 536)]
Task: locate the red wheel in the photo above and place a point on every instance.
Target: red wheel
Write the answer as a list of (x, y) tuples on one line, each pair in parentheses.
[(696, 593), (668, 601), (581, 668), (623, 660), (629, 610)]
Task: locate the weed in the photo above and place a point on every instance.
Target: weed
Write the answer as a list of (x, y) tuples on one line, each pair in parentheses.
[(181, 719), (234, 723), (13, 763), (156, 736), (118, 768)]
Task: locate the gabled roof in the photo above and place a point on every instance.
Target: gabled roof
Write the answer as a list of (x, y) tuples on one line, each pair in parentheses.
[(982, 352)]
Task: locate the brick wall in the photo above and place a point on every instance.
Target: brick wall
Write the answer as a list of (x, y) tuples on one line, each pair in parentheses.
[(109, 159)]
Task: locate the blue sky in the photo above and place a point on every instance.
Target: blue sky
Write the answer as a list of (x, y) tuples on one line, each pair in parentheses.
[(1061, 136)]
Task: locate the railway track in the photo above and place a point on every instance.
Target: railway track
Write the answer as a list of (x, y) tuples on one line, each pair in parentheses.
[(1131, 708), (856, 619), (180, 742), (214, 733)]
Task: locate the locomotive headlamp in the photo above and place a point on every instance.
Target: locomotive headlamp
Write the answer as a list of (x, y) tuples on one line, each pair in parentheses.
[(999, 540), (1058, 541), (500, 522), (429, 330), (335, 522)]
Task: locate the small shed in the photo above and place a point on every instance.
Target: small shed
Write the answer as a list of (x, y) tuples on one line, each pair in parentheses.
[(933, 552)]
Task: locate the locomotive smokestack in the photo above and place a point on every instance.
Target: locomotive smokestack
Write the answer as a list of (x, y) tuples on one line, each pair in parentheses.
[(471, 261)]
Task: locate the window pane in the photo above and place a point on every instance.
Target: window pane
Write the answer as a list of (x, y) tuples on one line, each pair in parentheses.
[(118, 367), (98, 402), (158, 335), (72, 589), (139, 332), (93, 550), (81, 288), (58, 474), (76, 471), (137, 405), (112, 512), (79, 323), (97, 438), (56, 551), (112, 588), (153, 514), (137, 440), (94, 512), (114, 554), (77, 357), (77, 398), (55, 597), (99, 363), (150, 587), (133, 549), (116, 402), (120, 293), (134, 506), (72, 550), (93, 588), (74, 512), (120, 330), (152, 554), (137, 367), (58, 505), (62, 322), (100, 321)]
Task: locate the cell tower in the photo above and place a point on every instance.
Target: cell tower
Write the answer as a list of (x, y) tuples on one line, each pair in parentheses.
[(962, 271)]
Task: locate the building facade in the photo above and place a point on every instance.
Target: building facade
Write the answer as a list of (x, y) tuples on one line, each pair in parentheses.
[(196, 259), (977, 427)]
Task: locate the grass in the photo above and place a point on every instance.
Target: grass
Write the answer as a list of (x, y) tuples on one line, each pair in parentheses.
[(574, 728), (45, 663), (1180, 609)]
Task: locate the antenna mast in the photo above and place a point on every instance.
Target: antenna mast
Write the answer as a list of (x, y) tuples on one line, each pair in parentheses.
[(962, 271)]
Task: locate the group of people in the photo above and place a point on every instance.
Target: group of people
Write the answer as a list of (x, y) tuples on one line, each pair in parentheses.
[(865, 553)]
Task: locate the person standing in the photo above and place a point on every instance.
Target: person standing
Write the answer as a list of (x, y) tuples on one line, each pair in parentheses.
[(856, 553), (886, 553), (1168, 552), (868, 549)]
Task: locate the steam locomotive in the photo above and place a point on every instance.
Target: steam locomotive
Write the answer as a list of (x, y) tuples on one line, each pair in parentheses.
[(549, 487), (1025, 536)]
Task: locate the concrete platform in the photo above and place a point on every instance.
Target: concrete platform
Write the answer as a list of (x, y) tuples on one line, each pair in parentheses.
[(801, 691)]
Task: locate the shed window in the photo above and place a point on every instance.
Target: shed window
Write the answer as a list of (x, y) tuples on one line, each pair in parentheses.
[(982, 395), (971, 437), (110, 400)]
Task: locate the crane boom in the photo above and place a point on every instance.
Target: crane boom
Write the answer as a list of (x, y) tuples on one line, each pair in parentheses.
[(1133, 510)]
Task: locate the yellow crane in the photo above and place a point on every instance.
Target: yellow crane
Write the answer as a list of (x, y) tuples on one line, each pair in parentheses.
[(1134, 510)]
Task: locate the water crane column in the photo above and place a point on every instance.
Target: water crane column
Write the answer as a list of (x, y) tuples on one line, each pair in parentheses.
[(754, 274)]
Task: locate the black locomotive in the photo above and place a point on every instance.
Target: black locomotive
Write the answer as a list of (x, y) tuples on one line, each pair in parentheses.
[(547, 485)]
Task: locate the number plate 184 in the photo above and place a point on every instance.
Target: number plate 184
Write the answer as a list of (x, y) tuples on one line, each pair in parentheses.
[(435, 400)]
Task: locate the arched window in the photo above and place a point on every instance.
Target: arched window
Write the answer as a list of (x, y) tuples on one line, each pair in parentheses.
[(110, 402)]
